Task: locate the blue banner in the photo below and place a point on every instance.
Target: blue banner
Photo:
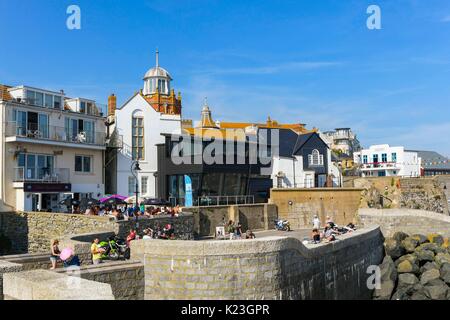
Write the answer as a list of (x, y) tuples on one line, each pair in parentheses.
[(188, 191)]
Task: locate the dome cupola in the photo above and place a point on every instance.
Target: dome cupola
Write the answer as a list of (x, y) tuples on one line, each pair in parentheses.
[(157, 79)]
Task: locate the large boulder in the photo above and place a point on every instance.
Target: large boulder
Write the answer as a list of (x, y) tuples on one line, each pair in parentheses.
[(431, 246), (409, 244), (437, 291), (407, 266), (407, 281), (400, 294), (436, 238), (419, 292), (393, 248), (429, 265), (410, 257), (420, 238), (400, 236), (445, 273), (424, 256), (442, 258), (388, 278), (429, 275)]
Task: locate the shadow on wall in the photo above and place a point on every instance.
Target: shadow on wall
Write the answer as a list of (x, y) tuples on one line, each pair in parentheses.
[(13, 233)]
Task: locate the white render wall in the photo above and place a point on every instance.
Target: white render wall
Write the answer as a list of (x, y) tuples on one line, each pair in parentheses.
[(407, 165), (303, 179), (155, 123)]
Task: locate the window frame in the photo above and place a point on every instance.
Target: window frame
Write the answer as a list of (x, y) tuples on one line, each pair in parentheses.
[(83, 158)]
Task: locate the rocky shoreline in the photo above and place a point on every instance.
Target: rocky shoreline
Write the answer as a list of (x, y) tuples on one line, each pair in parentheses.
[(415, 267)]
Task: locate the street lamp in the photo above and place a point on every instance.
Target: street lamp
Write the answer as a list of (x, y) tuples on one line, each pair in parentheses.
[(134, 168)]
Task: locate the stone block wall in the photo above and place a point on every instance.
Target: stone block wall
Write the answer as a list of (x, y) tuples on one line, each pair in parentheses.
[(300, 205), (32, 232), (126, 278), (407, 220), (251, 216), (266, 268), (49, 285), (7, 267)]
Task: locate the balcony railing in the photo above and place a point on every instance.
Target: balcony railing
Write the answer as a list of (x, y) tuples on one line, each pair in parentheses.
[(42, 175), (53, 133), (380, 165)]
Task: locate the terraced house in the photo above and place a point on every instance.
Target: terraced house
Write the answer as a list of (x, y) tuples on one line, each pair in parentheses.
[(50, 146)]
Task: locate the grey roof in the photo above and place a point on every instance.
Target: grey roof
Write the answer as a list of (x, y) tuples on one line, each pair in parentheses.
[(433, 160)]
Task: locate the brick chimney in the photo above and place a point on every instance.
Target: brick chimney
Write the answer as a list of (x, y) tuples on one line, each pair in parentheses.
[(112, 104)]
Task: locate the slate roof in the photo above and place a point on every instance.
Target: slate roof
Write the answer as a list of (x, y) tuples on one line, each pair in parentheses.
[(433, 160)]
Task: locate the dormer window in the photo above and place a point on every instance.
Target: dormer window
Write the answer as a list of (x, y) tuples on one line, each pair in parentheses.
[(315, 158)]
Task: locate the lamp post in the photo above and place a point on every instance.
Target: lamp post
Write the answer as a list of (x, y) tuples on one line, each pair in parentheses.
[(134, 168)]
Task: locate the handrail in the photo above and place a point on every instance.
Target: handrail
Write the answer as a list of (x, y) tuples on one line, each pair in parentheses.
[(53, 133)]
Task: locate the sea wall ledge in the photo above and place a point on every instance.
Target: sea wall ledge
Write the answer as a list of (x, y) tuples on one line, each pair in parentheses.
[(253, 246)]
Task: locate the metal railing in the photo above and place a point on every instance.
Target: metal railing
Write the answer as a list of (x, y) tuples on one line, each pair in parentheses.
[(43, 175), (215, 200), (53, 133)]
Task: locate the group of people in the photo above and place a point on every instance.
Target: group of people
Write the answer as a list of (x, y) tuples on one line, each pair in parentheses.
[(235, 231), (330, 231), (124, 212)]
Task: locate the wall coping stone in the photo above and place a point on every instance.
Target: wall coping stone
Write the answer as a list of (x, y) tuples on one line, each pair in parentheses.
[(48, 285), (403, 212), (248, 246)]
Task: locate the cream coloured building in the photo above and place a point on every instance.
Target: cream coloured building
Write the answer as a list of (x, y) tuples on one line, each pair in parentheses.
[(51, 146)]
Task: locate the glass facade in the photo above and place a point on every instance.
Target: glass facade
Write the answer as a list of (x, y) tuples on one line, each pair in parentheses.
[(207, 188)]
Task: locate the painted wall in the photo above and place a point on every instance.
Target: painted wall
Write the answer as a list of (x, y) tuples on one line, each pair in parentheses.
[(155, 123)]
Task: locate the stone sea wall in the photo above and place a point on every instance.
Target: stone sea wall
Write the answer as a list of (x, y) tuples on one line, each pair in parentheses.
[(126, 278), (49, 285), (266, 268), (300, 205), (251, 216), (32, 232), (406, 220)]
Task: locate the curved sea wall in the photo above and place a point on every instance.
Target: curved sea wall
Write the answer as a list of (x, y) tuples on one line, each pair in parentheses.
[(406, 220), (266, 268)]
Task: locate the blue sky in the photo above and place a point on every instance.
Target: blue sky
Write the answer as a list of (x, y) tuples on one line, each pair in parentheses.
[(313, 62)]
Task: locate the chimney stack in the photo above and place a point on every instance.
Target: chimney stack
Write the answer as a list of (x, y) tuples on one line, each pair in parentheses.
[(112, 104)]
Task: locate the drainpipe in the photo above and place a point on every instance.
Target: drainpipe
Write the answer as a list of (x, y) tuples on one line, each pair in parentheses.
[(293, 167)]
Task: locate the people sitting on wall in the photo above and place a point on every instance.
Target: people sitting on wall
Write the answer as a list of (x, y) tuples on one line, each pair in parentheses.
[(238, 230), (230, 228), (168, 232), (329, 234), (250, 235), (131, 236), (315, 235), (76, 210), (148, 234)]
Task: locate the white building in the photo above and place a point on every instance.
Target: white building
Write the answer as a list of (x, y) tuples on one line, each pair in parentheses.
[(342, 139), (138, 125), (51, 147), (383, 160), (304, 161)]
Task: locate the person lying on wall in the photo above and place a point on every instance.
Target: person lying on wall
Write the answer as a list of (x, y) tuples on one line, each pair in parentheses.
[(329, 233), (249, 234)]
